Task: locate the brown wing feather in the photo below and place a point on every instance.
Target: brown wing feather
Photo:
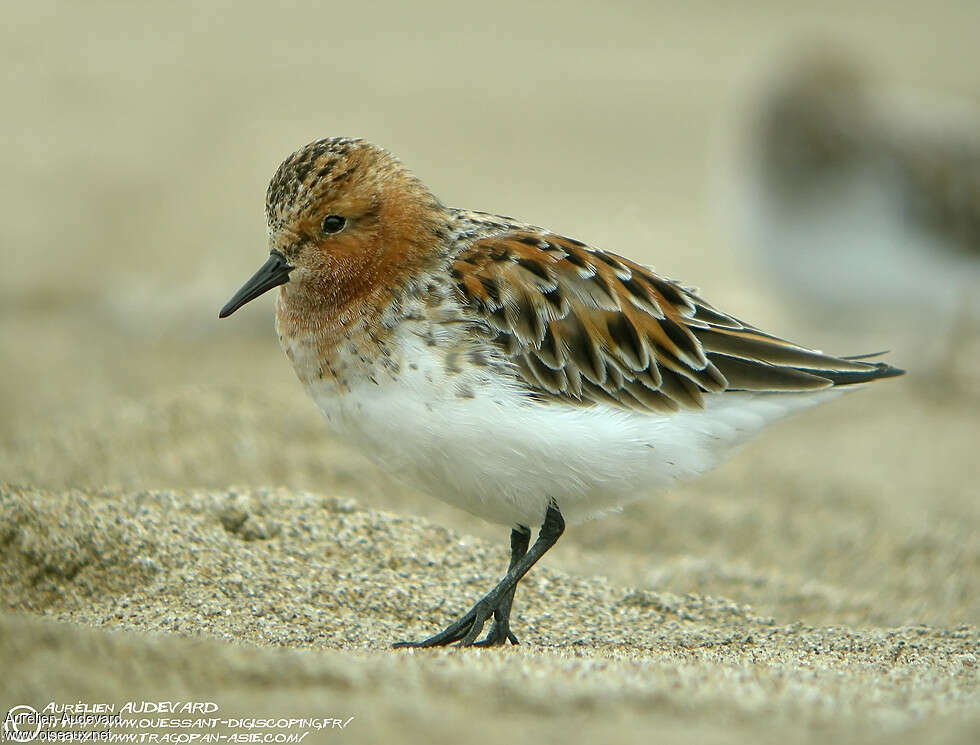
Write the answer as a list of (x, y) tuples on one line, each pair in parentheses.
[(584, 325)]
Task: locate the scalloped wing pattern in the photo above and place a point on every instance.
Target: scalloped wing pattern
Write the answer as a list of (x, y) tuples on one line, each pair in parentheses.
[(586, 326)]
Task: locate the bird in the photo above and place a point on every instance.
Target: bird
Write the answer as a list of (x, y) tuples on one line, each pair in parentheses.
[(522, 375), (861, 196)]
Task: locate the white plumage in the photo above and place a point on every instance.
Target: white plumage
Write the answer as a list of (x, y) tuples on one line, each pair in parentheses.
[(502, 456)]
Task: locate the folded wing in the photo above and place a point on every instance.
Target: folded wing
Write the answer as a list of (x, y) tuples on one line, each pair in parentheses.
[(583, 325)]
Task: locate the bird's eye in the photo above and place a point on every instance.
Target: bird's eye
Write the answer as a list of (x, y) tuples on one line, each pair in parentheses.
[(333, 224)]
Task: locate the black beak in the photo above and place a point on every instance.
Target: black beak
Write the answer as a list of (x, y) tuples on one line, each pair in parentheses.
[(272, 273)]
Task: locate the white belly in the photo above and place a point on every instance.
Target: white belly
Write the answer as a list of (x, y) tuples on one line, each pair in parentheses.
[(477, 443)]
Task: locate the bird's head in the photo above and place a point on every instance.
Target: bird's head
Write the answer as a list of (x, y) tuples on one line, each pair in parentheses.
[(343, 216)]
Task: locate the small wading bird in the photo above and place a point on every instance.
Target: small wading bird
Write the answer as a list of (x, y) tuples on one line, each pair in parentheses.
[(521, 375)]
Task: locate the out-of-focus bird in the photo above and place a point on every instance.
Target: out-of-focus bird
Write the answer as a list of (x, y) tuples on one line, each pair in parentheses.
[(863, 200)]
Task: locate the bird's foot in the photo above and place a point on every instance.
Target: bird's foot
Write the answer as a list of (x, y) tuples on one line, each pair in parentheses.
[(467, 627), (498, 601)]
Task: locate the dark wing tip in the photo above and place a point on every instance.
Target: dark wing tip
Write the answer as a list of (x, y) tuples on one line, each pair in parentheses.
[(884, 370), (876, 371)]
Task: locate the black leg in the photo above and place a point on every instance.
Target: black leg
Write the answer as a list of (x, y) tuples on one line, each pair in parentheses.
[(467, 628), (500, 632)]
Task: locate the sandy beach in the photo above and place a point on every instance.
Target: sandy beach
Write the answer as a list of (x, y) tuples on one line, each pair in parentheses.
[(177, 523), (284, 603)]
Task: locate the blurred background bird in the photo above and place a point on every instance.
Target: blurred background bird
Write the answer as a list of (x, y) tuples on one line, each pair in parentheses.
[(861, 201)]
